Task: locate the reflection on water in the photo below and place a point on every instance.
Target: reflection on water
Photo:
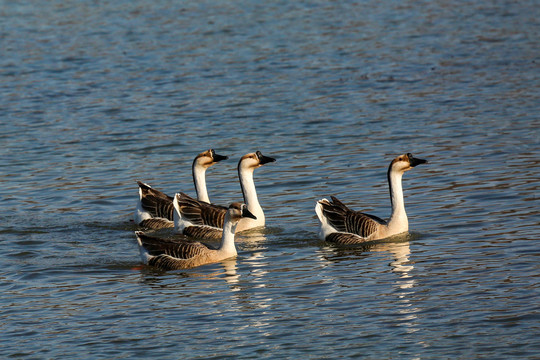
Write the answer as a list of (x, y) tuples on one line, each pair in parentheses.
[(231, 274), (398, 247), (401, 266)]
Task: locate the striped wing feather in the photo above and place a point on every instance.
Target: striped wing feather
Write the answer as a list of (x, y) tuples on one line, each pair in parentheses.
[(156, 223), (346, 220), (157, 203), (201, 213), (203, 232), (343, 238), (172, 248), (166, 262)]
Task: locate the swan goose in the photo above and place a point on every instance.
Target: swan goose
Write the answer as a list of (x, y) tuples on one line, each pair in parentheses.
[(341, 225), (171, 255), (203, 220), (155, 209)]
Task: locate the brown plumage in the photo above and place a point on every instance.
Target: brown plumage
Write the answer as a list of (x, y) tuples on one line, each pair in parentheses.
[(172, 254), (156, 223), (207, 219), (345, 238), (203, 232), (157, 203), (346, 220), (201, 213)]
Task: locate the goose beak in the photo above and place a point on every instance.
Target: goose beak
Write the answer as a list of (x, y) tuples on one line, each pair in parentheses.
[(264, 159), (218, 158), (246, 213), (415, 161)]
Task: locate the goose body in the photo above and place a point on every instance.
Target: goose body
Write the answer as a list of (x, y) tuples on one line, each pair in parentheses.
[(199, 219), (171, 255), (155, 209), (341, 225)]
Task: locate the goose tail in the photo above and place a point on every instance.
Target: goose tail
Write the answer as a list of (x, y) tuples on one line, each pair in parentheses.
[(180, 222), (325, 228), (141, 213), (145, 255), (319, 211)]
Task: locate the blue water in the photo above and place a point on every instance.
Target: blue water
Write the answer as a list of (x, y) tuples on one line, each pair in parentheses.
[(94, 95)]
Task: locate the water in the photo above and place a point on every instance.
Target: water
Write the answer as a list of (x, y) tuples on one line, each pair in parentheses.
[(94, 95)]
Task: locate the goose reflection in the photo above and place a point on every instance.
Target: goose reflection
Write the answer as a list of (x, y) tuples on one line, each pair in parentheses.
[(400, 264), (399, 247)]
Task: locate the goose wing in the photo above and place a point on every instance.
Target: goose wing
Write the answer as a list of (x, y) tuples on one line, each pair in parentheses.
[(157, 203), (167, 262), (343, 238), (156, 223), (172, 248), (201, 213), (203, 232), (346, 220)]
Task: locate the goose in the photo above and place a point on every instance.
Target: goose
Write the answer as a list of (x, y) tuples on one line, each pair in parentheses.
[(341, 225), (155, 208), (203, 220), (172, 255)]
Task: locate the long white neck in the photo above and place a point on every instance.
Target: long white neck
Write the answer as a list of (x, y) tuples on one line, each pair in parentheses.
[(199, 178), (250, 195), (227, 239), (398, 221)]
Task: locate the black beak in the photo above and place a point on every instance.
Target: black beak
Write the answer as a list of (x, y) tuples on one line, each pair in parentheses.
[(217, 157), (415, 161), (247, 213), (264, 159)]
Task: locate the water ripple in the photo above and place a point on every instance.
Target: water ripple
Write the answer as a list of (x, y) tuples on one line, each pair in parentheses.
[(97, 95)]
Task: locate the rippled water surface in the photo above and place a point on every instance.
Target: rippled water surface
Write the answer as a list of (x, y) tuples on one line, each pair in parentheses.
[(97, 94)]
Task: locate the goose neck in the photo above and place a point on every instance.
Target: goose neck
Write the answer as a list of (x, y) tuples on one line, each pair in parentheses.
[(227, 239), (396, 198), (248, 188), (199, 179)]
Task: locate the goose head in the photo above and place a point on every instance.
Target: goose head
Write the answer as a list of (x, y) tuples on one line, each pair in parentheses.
[(254, 160), (404, 163), (238, 210), (208, 158)]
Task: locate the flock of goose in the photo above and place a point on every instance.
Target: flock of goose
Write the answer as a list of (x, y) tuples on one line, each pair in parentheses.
[(199, 218)]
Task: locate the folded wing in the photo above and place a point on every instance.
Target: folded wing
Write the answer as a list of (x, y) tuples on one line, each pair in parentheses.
[(346, 220)]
